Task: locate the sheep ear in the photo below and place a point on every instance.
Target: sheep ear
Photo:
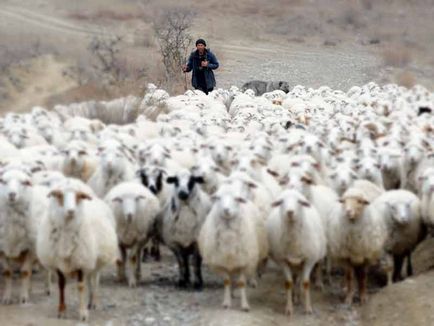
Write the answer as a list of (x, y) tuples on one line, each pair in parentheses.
[(83, 196), (252, 185), (240, 200), (55, 193), (273, 173), (277, 203), (199, 179), (172, 180), (303, 203)]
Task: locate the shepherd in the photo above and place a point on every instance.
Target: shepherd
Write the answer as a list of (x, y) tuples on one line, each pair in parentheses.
[(202, 61)]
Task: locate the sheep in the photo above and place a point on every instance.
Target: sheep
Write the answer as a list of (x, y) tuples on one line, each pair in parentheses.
[(78, 160), (392, 168), (23, 206), (210, 172), (116, 165), (135, 209), (402, 211), (368, 168), (427, 198), (153, 178), (77, 237), (297, 241), (24, 136), (357, 234), (229, 242), (342, 177), (181, 220)]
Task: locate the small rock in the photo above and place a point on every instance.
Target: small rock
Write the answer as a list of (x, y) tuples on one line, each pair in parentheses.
[(150, 320)]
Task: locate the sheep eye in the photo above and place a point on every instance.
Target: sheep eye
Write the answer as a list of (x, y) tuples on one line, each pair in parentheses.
[(211, 147), (26, 183), (82, 153), (140, 197), (117, 200)]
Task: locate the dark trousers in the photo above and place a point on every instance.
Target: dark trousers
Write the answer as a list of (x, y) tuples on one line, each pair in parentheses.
[(206, 91)]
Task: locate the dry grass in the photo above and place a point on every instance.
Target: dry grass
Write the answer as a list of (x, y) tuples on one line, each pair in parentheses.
[(396, 56), (405, 79), (105, 14)]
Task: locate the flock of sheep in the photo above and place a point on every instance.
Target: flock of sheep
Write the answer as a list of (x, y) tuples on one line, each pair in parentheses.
[(312, 179)]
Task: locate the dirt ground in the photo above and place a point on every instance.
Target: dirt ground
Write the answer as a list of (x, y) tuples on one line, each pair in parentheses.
[(156, 300)]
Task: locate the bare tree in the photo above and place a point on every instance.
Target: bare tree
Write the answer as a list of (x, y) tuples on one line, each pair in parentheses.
[(106, 49), (172, 30)]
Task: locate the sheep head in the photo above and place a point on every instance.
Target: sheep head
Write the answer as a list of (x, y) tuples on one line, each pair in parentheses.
[(15, 186), (68, 197), (185, 183), (353, 206)]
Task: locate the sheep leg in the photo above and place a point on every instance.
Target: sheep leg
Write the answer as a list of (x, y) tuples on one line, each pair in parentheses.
[(7, 273), (93, 285), (361, 273), (155, 249), (83, 312), (61, 312), (122, 263), (179, 258), (227, 294), (26, 274), (307, 269), (185, 261), (389, 269), (242, 286), (349, 275), (398, 261), (139, 250), (288, 287), (197, 261), (131, 265), (49, 283), (409, 265), (318, 276)]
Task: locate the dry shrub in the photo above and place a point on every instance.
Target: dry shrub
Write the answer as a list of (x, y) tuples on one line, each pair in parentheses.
[(351, 16), (406, 79), (367, 4), (396, 56)]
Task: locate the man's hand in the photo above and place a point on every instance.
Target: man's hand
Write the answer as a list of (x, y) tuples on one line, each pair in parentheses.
[(184, 68), (204, 63)]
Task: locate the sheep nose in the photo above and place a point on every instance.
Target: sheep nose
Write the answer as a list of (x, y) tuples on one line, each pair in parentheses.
[(129, 217), (153, 189), (12, 196), (183, 195), (290, 215), (70, 213)]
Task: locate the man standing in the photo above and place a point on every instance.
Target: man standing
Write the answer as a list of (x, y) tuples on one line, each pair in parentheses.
[(202, 61)]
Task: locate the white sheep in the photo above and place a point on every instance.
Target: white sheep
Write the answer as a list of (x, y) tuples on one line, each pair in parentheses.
[(297, 240), (357, 234), (402, 211), (23, 206), (77, 238), (135, 209), (181, 221), (229, 241), (116, 165), (79, 161)]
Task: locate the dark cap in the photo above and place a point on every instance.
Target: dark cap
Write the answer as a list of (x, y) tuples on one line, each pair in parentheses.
[(200, 41)]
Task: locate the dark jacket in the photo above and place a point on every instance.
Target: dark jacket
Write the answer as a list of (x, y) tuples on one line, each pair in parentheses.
[(194, 64)]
